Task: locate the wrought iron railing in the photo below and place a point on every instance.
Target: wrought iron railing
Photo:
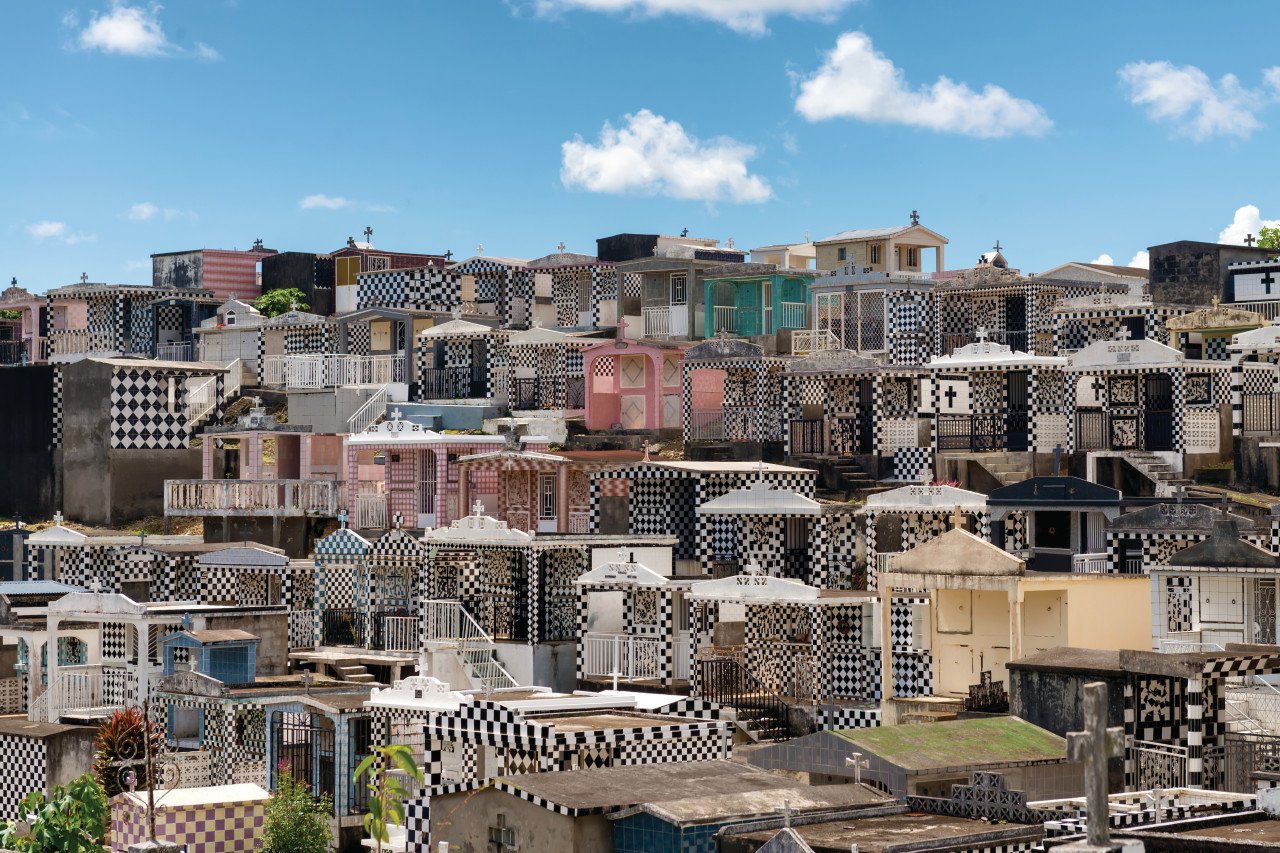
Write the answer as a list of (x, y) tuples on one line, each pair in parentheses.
[(807, 437), (451, 383), (1261, 413), (343, 627), (729, 683)]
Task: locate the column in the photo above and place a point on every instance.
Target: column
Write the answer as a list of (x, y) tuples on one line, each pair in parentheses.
[(144, 662), (686, 401), (1195, 732), (667, 634), (1237, 396), (562, 499), (654, 412), (888, 715), (1015, 622), (55, 701)]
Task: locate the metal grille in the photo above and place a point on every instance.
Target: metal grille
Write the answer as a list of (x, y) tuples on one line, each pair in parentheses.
[(304, 751)]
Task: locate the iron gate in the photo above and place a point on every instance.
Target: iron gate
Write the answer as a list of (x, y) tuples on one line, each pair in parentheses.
[(1158, 429), (304, 751)]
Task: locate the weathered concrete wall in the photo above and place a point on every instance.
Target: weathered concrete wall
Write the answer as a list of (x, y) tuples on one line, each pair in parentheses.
[(463, 820), (1257, 468), (272, 627), (613, 515), (296, 534), (32, 471), (137, 480), (326, 411), (1054, 700), (450, 417), (70, 755), (555, 665), (86, 437)]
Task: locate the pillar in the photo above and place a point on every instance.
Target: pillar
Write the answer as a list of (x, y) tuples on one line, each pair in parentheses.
[(888, 714), (54, 703), (653, 412), (1195, 732), (1015, 623), (144, 662)]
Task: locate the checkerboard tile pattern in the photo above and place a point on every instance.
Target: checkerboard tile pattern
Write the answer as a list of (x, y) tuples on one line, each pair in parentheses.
[(207, 829), (25, 761)]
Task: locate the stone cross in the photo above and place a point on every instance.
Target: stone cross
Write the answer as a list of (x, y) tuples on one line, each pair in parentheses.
[(981, 332), (95, 585), (1216, 300), (307, 678), (1157, 796), (729, 242), (84, 278), (457, 313), (368, 234), (560, 248), (915, 218), (57, 517), (646, 447), (1179, 492), (785, 811), (477, 508), (257, 402), (480, 250), (857, 763), (1249, 239), (396, 415), (1092, 747), (957, 520)]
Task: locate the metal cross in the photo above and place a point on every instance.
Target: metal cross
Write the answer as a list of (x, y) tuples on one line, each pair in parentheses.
[(1057, 456), (244, 534), (561, 247), (13, 282), (785, 810), (856, 762), (448, 256), (1092, 747), (915, 218), (997, 246), (84, 277), (1249, 239), (368, 234), (142, 540), (684, 233)]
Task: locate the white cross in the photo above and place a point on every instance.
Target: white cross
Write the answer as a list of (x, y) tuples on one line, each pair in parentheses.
[(982, 334), (477, 508), (729, 242), (396, 415), (457, 313), (480, 250), (57, 517), (95, 585), (561, 247), (857, 762), (293, 306), (785, 810)]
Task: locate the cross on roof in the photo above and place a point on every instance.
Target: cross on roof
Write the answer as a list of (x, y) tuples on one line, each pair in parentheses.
[(981, 332), (368, 234), (1092, 747), (14, 281), (142, 539), (307, 678), (57, 517), (342, 520), (448, 256), (785, 811), (729, 242), (684, 233), (95, 585), (396, 415), (915, 218), (457, 313), (997, 246), (957, 520), (561, 247), (1057, 456), (1179, 492), (1249, 239), (857, 762), (477, 508), (480, 250), (244, 534), (84, 277)]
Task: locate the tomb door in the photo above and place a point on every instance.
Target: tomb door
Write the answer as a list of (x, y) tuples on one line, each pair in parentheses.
[(1158, 428)]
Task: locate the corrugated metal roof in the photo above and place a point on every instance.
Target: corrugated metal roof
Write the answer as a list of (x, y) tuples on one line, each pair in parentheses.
[(12, 588)]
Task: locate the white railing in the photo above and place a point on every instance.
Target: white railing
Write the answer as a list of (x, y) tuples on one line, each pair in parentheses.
[(629, 656), (79, 341), (369, 413), (795, 315), (657, 321), (173, 352), (371, 505), (1184, 642), (813, 340), (333, 371), (400, 633), (202, 398), (684, 657), (1268, 308), (448, 626), (90, 688), (1095, 564), (883, 560), (253, 497), (233, 382), (725, 318)]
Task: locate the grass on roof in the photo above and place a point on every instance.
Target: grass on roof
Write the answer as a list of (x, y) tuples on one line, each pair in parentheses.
[(959, 743)]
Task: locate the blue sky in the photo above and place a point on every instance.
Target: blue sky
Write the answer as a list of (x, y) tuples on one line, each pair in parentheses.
[(1065, 131)]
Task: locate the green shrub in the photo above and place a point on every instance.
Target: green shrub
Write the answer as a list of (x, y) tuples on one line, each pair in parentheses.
[(296, 822), (73, 819)]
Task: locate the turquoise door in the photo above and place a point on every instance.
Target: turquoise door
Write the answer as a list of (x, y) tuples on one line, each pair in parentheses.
[(749, 309)]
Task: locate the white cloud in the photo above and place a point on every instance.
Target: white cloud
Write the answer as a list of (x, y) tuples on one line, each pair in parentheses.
[(745, 16), (142, 211), (1104, 259), (380, 208), (320, 200), (652, 156), (790, 143), (131, 31), (45, 228), (1142, 260), (1248, 220), (1186, 98), (137, 265), (857, 81)]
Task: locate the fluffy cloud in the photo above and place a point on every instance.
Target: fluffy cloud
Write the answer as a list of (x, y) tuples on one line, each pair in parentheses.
[(323, 202), (48, 230), (1196, 106), (857, 81), (745, 16), (1248, 220), (1104, 259), (142, 211), (652, 156), (1142, 260), (130, 31)]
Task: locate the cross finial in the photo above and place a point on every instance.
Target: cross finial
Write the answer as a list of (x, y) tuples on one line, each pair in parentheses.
[(342, 520), (1057, 456), (646, 447), (448, 256), (857, 762), (915, 218), (84, 278), (257, 402), (1179, 491), (1216, 300), (1249, 239), (368, 234), (981, 332), (684, 233), (95, 585), (57, 517), (457, 313), (244, 534), (13, 282), (142, 539), (477, 508), (480, 250), (396, 415), (307, 678), (1092, 747), (729, 242), (997, 246), (560, 248), (786, 812), (957, 520)]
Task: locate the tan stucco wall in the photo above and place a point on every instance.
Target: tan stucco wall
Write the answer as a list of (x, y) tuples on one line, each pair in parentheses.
[(1110, 613)]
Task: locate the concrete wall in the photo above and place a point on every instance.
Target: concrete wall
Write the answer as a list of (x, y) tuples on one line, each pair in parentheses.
[(1054, 700), (296, 535), (1101, 610), (33, 481), (463, 820), (551, 665), (327, 410), (451, 417), (273, 627), (70, 755), (137, 481), (1257, 468), (312, 274), (86, 436), (1192, 273)]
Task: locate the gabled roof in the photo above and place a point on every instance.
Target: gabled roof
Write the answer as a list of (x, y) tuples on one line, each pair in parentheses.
[(1265, 337), (760, 498), (458, 328), (1225, 549), (623, 571), (477, 529), (395, 430), (242, 556), (974, 744), (1055, 491), (1106, 269), (927, 499), (295, 318), (957, 552), (1128, 353), (541, 335), (829, 360), (876, 233), (1175, 517), (57, 535), (753, 587), (717, 349), (1218, 317), (986, 353)]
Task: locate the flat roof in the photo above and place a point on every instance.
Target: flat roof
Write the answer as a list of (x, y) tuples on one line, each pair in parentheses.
[(1267, 831), (19, 725), (960, 743), (1070, 659), (887, 833), (603, 721)]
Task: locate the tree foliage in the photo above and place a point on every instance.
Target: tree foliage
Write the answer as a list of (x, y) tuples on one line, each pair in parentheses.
[(276, 302), (296, 822), (120, 749), (386, 794), (73, 819), (1268, 237)]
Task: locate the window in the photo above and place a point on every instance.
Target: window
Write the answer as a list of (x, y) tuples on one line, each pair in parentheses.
[(377, 263), (678, 289), (451, 468), (501, 837), (546, 497), (913, 256), (875, 253), (229, 319), (842, 254), (345, 269)]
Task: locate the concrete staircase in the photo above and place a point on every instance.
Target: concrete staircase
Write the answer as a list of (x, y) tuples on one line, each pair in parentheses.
[(354, 672), (842, 479), (1155, 469), (998, 465)]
